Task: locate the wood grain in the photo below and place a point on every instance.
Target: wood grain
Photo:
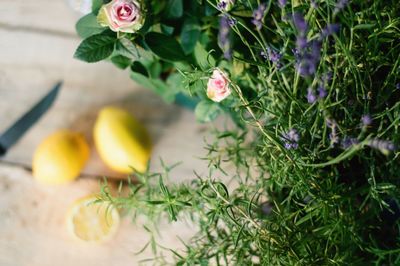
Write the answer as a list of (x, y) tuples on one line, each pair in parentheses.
[(33, 230), (36, 48)]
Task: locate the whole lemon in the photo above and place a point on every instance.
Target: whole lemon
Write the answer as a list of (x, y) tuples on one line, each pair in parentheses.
[(60, 157), (122, 142)]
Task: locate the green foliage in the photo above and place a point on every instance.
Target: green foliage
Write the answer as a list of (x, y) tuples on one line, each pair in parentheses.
[(121, 61), (95, 48), (126, 48), (164, 46), (311, 181), (207, 111), (88, 26), (190, 34), (155, 85), (173, 9), (96, 5)]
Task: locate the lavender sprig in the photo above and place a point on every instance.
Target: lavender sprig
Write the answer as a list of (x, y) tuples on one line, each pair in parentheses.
[(282, 3), (273, 56), (225, 5), (384, 146), (291, 139), (258, 16), (340, 5), (366, 120), (224, 36)]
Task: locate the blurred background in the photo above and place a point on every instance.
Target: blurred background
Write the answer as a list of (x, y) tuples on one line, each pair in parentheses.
[(37, 44)]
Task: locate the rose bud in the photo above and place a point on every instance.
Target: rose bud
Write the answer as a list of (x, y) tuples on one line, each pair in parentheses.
[(122, 15), (218, 86)]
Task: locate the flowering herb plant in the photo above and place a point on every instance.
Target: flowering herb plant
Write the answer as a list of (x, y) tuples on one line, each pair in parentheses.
[(314, 89)]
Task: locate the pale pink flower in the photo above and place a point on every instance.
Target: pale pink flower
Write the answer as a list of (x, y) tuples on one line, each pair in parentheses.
[(122, 15), (218, 86)]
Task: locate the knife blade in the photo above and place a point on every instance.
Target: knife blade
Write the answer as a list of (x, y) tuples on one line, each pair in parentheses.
[(11, 135)]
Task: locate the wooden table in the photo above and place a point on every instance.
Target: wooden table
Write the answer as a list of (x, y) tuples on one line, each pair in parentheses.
[(36, 48)]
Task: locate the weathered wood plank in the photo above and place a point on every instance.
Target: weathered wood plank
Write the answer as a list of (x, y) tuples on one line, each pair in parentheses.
[(47, 16), (33, 230), (87, 88), (37, 44)]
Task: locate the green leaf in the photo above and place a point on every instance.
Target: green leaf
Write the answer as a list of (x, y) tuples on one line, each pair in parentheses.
[(174, 9), (166, 47), (204, 59), (168, 30), (121, 61), (175, 82), (155, 69), (190, 34), (243, 13), (156, 85), (207, 111), (363, 26), (126, 48), (96, 5), (139, 68), (95, 48), (88, 26)]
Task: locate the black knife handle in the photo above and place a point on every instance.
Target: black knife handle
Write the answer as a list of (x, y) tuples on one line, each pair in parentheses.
[(2, 150)]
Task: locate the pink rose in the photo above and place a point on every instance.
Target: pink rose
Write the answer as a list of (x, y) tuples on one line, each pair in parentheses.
[(122, 15), (218, 86)]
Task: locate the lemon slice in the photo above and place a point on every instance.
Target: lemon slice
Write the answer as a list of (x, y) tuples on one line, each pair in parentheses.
[(92, 221)]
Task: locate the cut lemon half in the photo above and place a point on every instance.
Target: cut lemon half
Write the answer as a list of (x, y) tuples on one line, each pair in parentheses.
[(92, 221)]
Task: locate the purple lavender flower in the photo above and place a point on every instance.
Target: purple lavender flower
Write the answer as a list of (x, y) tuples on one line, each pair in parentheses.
[(384, 146), (306, 66), (223, 37), (264, 55), (291, 139), (225, 5), (311, 97), (301, 42), (366, 120), (330, 29), (316, 51), (258, 16), (322, 93), (266, 208), (347, 142), (314, 4), (340, 5), (308, 61), (327, 76), (296, 54), (334, 138), (300, 23), (282, 3), (232, 21), (273, 56)]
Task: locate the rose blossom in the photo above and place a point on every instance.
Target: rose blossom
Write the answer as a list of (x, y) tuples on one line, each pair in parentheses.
[(122, 15), (218, 86)]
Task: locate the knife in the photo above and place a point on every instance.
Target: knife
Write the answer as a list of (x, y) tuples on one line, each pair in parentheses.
[(18, 129)]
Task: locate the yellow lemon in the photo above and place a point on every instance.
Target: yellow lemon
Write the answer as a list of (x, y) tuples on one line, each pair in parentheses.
[(60, 157), (122, 142), (92, 221)]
